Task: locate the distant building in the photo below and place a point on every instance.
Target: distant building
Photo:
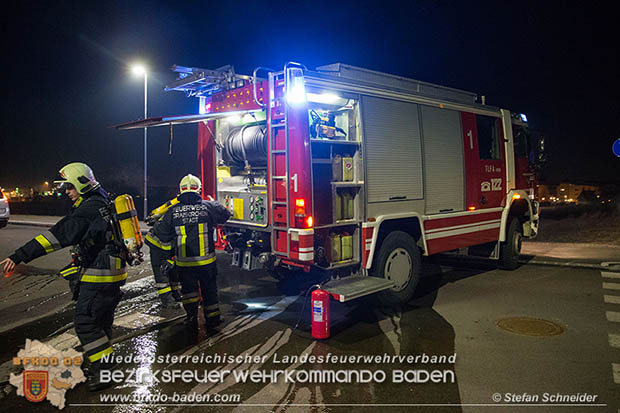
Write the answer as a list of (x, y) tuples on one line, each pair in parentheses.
[(568, 193)]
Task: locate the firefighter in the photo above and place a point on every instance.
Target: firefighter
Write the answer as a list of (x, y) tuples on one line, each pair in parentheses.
[(190, 224), (162, 262), (97, 271)]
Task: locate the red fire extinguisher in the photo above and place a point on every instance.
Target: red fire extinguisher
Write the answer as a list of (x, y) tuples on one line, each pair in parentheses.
[(320, 314)]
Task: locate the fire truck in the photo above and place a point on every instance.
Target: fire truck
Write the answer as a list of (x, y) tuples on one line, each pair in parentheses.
[(357, 173)]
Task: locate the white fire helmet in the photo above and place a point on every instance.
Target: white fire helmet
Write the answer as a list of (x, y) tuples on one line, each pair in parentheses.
[(190, 183), (79, 175)]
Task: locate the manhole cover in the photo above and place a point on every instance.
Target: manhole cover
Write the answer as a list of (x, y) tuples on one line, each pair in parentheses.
[(528, 326)]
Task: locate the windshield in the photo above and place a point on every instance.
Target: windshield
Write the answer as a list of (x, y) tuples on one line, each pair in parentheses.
[(521, 138)]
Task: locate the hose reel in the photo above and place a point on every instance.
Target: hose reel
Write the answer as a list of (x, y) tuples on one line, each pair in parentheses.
[(246, 145)]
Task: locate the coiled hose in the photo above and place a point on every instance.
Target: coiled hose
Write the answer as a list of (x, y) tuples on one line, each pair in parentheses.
[(246, 143)]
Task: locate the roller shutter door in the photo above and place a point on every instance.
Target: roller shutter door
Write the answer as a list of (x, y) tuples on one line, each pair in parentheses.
[(443, 159), (393, 150)]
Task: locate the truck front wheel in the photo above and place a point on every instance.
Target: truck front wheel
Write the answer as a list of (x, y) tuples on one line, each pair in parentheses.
[(511, 248), (399, 261)]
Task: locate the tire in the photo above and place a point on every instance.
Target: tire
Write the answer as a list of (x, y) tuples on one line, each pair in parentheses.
[(511, 248), (400, 261)]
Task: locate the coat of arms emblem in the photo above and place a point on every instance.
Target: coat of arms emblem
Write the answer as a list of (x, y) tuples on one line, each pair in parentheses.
[(35, 385)]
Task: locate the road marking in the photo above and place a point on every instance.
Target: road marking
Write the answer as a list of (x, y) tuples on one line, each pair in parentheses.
[(390, 324), (263, 351), (137, 320), (614, 340), (612, 299), (613, 316), (237, 287), (242, 324), (278, 390), (611, 286), (610, 264), (64, 341)]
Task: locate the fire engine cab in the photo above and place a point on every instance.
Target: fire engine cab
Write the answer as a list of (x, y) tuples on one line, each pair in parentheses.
[(357, 173)]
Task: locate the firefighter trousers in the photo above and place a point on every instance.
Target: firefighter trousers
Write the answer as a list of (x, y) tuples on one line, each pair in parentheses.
[(164, 283), (93, 318), (197, 282)]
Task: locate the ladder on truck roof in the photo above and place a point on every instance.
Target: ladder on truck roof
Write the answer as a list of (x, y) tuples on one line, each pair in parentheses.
[(197, 82)]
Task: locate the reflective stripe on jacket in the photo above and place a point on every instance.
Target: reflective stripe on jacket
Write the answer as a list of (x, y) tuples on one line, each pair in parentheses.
[(189, 225), (115, 273), (153, 241)]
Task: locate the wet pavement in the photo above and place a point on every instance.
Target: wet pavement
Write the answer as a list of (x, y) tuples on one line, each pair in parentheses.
[(455, 311)]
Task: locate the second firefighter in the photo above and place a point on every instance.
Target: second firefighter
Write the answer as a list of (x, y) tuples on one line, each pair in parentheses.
[(162, 261), (189, 225)]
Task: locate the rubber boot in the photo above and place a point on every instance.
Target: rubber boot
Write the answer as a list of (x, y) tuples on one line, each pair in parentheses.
[(212, 323), (168, 301), (93, 378), (191, 324), (176, 295)]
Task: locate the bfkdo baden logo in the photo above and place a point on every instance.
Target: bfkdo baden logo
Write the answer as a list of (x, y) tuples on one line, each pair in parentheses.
[(35, 385), (42, 372)]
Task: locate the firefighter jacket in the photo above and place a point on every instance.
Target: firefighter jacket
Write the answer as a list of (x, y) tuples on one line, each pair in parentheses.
[(189, 225), (84, 227), (154, 242)]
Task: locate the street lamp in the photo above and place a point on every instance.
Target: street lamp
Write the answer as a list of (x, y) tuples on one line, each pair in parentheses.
[(141, 70)]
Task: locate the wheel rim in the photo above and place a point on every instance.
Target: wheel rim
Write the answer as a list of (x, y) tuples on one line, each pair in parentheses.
[(398, 267), (517, 241)]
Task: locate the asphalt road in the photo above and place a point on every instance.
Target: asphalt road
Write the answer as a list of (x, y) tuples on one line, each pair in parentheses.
[(456, 311)]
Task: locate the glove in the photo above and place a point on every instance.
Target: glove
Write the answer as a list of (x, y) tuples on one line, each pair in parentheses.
[(166, 268)]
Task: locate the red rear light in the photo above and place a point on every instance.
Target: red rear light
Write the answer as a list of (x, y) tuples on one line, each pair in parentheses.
[(301, 220), (300, 207)]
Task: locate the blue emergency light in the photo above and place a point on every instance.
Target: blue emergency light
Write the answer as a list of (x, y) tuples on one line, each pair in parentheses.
[(295, 88)]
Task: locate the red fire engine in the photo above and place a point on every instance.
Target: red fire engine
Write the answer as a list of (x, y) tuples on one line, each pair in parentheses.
[(357, 173)]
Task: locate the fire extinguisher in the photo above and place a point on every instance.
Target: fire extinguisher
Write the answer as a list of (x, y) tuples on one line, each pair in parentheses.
[(320, 314)]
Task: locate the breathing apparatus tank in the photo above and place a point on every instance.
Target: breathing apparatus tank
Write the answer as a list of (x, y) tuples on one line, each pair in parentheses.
[(123, 218), (159, 212), (128, 226)]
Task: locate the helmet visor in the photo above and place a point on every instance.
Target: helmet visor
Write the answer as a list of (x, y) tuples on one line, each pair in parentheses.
[(62, 186), (62, 183)]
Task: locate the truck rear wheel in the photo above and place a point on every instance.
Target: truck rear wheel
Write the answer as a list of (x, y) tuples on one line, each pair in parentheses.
[(511, 248), (399, 261)]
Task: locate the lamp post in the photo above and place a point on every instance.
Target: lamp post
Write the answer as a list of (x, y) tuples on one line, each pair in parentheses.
[(141, 70)]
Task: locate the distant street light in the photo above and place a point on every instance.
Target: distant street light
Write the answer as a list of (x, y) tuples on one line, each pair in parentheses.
[(141, 70)]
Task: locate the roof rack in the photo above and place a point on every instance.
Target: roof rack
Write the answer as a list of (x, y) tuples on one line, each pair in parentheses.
[(398, 82)]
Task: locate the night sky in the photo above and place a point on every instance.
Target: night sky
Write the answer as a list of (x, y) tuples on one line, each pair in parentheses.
[(66, 77)]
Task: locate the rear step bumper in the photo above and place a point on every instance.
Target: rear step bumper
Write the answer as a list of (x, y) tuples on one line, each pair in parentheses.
[(350, 288)]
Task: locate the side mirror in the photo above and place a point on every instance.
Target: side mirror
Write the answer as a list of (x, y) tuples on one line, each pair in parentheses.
[(541, 154)]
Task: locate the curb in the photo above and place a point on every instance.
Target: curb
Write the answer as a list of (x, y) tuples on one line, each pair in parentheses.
[(50, 224), (570, 264), (31, 223), (541, 261)]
